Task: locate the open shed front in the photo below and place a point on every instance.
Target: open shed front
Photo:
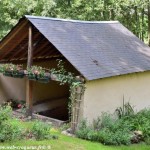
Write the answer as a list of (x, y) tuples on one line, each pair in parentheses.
[(51, 100), (26, 45)]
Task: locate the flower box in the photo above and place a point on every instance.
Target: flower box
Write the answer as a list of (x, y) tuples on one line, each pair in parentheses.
[(7, 73), (44, 79), (32, 77), (18, 74)]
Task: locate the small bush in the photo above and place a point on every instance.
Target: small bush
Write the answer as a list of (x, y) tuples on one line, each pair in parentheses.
[(107, 121), (125, 110), (120, 136), (83, 130), (41, 130), (143, 122), (9, 132), (64, 127), (114, 132), (147, 141), (97, 123), (5, 113), (110, 131), (140, 122), (128, 128)]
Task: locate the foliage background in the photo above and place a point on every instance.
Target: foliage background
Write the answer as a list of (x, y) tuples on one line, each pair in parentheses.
[(131, 13)]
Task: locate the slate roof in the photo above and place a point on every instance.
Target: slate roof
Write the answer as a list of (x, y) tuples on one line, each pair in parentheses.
[(97, 49)]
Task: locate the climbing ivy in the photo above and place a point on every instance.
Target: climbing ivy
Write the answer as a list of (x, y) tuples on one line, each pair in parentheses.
[(65, 77)]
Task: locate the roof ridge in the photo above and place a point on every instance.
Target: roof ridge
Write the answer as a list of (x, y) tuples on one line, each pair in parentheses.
[(67, 20)]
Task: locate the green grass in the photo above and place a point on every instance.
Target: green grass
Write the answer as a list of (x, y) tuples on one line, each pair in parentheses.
[(68, 143)]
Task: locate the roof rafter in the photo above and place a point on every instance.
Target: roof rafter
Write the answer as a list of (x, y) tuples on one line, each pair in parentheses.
[(17, 30), (19, 52)]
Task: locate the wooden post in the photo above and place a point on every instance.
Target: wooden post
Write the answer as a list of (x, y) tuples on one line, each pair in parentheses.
[(73, 94), (29, 97), (76, 106), (29, 83), (30, 48)]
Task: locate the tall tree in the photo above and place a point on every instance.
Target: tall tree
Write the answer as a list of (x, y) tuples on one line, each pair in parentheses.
[(134, 14), (149, 22), (11, 11)]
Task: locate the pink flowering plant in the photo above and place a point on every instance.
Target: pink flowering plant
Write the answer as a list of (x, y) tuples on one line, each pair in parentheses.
[(12, 70)]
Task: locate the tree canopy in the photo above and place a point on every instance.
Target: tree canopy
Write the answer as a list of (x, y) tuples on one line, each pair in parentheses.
[(131, 13)]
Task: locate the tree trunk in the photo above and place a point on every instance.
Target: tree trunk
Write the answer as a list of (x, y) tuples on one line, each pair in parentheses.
[(69, 2), (142, 34), (112, 15), (149, 22), (104, 10), (136, 21)]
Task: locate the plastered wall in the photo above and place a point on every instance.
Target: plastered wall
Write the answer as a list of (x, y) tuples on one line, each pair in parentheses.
[(105, 95), (11, 88)]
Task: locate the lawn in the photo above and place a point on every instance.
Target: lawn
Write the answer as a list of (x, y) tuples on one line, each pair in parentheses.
[(68, 143)]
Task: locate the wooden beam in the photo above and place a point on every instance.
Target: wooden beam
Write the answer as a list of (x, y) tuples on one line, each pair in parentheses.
[(20, 61), (15, 32), (48, 48), (15, 44), (19, 52), (34, 48), (11, 37), (50, 53), (40, 48), (29, 83)]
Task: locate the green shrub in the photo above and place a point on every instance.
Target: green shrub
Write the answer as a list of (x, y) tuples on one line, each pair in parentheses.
[(140, 121), (107, 121), (83, 130), (5, 113), (110, 131), (147, 141), (41, 130), (143, 119), (65, 126), (97, 123), (125, 110), (86, 132), (9, 132), (120, 136), (114, 131)]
